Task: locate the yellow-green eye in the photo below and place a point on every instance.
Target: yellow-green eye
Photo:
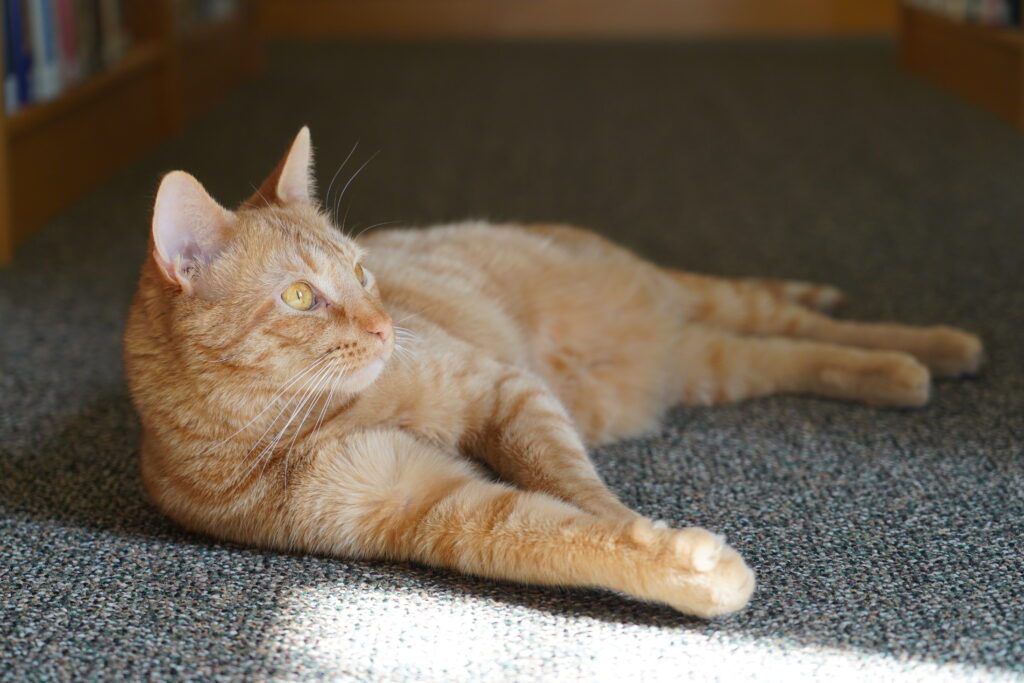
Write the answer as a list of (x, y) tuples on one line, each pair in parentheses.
[(299, 296), (360, 274)]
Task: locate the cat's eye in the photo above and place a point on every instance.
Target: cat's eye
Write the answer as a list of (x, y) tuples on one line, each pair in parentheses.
[(299, 296), (360, 274)]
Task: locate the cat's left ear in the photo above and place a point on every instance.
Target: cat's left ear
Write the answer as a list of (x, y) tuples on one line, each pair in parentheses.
[(189, 229), (292, 179)]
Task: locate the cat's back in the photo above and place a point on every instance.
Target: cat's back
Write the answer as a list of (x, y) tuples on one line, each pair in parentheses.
[(511, 288)]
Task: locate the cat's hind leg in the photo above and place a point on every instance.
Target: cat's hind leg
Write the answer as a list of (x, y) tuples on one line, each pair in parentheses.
[(738, 307), (384, 494), (819, 297), (716, 366)]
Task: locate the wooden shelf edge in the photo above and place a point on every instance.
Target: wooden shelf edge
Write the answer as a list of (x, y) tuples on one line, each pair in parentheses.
[(132, 64), (983, 64), (1010, 37), (211, 30)]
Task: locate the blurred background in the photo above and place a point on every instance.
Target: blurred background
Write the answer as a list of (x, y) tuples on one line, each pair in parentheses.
[(92, 84)]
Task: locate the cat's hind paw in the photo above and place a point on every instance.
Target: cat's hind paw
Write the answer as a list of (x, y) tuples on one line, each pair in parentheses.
[(952, 353), (881, 378)]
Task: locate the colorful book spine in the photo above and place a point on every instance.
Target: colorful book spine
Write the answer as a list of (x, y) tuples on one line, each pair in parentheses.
[(112, 43), (87, 36), (45, 63), (989, 12), (68, 42), (10, 79), (17, 56), (49, 45)]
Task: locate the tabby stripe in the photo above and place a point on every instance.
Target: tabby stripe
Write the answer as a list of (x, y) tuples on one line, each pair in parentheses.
[(249, 326)]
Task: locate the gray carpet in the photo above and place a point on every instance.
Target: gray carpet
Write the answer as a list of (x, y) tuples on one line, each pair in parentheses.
[(887, 543)]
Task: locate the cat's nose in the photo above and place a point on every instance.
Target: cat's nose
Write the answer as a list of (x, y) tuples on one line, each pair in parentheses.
[(380, 327)]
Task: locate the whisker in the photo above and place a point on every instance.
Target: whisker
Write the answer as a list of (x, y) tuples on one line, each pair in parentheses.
[(273, 399), (403, 353), (327, 197), (323, 410), (318, 392), (405, 333), (354, 175), (344, 219), (339, 370), (268, 449), (375, 225), (307, 382)]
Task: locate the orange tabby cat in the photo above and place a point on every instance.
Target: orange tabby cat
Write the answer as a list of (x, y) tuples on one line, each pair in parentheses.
[(283, 407)]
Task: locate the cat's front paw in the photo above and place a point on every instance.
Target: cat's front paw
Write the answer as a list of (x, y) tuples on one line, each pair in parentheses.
[(950, 352), (699, 573)]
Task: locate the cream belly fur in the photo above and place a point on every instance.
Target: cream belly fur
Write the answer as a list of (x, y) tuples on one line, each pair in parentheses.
[(303, 391)]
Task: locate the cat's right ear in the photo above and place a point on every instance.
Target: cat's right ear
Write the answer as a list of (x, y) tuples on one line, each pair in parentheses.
[(292, 179), (189, 229)]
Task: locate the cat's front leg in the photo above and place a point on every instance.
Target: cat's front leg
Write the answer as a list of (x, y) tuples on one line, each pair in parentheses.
[(385, 494), (522, 431)]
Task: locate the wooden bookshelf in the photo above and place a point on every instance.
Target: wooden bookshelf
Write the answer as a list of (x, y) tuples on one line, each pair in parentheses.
[(215, 57), (53, 152), (982, 64), (474, 19)]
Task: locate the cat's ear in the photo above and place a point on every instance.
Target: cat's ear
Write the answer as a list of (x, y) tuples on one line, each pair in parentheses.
[(292, 179), (189, 228)]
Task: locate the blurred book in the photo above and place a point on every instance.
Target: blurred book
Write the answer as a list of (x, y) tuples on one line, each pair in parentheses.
[(987, 12), (192, 14), (50, 45)]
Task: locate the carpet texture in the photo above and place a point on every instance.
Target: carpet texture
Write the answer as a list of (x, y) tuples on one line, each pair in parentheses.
[(887, 543)]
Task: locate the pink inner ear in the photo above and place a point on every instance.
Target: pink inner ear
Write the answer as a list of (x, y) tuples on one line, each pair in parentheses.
[(189, 227)]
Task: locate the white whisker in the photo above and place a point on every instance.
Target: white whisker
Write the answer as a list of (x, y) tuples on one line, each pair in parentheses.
[(354, 175), (319, 393), (308, 391), (327, 197), (273, 399), (371, 227), (269, 447)]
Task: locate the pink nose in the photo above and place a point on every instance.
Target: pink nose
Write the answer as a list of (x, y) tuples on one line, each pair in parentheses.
[(380, 327)]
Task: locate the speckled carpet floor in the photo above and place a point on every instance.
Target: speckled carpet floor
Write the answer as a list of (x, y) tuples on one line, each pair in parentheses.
[(887, 543)]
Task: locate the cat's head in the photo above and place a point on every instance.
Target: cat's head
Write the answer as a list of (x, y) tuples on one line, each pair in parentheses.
[(271, 287)]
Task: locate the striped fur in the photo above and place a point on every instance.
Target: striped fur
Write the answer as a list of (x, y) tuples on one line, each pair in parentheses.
[(365, 428)]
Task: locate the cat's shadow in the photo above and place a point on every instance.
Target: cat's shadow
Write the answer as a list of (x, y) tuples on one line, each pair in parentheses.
[(83, 473), (78, 491)]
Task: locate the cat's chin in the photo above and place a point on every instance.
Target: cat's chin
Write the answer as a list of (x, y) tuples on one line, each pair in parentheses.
[(363, 377)]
